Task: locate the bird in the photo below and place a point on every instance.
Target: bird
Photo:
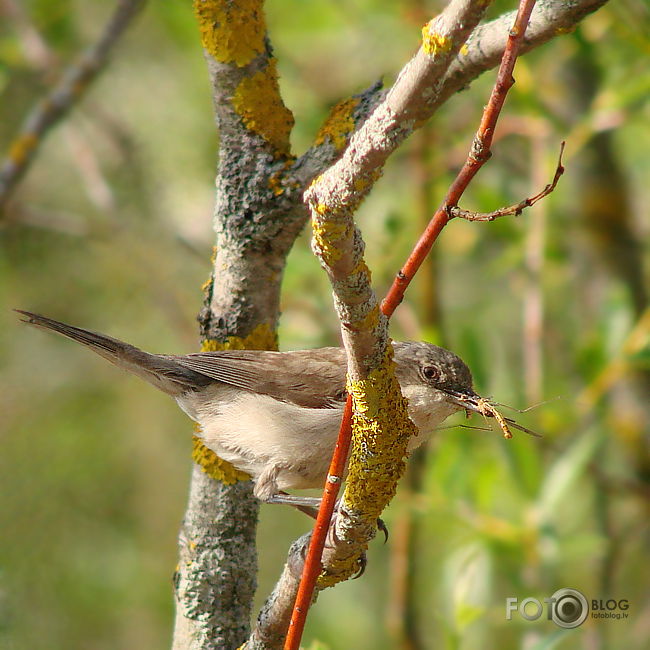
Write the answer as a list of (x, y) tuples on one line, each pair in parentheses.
[(276, 415)]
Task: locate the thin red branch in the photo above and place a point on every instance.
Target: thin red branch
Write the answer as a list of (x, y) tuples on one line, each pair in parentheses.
[(478, 155), (313, 560)]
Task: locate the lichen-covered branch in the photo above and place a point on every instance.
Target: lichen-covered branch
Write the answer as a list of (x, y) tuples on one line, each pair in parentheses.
[(60, 100), (273, 620), (406, 106), (259, 213), (444, 65), (382, 427), (484, 49), (417, 93), (213, 584)]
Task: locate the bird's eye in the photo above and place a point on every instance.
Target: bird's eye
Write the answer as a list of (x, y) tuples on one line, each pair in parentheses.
[(431, 372)]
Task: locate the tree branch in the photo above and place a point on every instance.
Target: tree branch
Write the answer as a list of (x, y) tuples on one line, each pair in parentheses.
[(273, 621), (339, 246), (550, 19), (258, 215), (60, 100), (382, 427), (215, 581)]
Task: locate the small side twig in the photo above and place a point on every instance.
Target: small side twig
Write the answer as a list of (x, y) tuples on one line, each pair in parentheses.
[(58, 102), (479, 153), (511, 210)]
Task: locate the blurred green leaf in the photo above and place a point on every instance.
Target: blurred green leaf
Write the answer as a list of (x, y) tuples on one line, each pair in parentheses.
[(551, 641), (562, 476)]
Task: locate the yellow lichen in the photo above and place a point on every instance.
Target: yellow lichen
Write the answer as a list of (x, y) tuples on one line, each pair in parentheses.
[(257, 99), (361, 184), (232, 32), (338, 124), (370, 321), (276, 182), (263, 337), (214, 466), (340, 570), (362, 267), (22, 147), (332, 231), (434, 43), (327, 237), (381, 431)]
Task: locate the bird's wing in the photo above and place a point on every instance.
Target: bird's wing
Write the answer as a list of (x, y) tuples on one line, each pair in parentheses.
[(308, 378)]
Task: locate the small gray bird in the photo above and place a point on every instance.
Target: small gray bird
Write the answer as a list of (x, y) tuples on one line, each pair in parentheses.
[(276, 415)]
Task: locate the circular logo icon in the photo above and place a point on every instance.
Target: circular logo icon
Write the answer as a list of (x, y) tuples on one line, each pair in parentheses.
[(569, 608)]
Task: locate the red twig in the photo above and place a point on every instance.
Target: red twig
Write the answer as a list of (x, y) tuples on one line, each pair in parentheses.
[(313, 567), (479, 154)]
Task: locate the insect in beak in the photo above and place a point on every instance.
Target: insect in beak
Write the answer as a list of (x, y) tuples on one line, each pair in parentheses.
[(473, 402)]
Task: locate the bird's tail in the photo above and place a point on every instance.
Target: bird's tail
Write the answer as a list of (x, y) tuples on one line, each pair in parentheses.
[(162, 372)]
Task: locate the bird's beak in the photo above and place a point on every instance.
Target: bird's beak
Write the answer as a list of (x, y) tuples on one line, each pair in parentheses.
[(471, 401), (468, 400)]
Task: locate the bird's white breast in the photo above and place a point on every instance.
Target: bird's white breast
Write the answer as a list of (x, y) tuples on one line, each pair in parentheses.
[(258, 433), (254, 431)]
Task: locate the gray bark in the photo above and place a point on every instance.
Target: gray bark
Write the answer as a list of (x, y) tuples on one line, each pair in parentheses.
[(255, 230), (215, 581)]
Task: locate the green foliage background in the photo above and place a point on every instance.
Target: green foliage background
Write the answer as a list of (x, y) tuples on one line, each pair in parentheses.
[(111, 230)]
